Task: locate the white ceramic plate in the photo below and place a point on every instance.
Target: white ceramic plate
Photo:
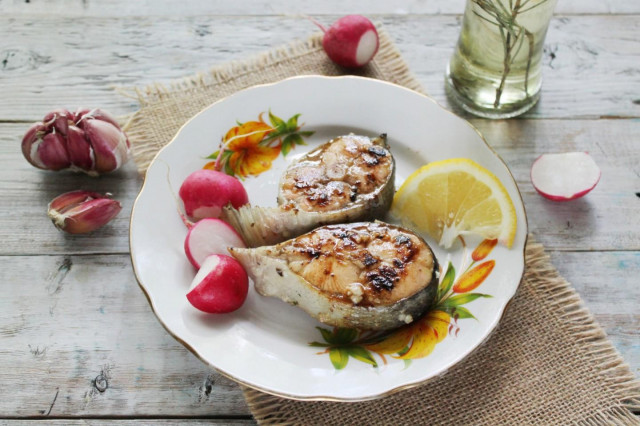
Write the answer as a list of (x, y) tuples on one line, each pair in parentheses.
[(265, 344)]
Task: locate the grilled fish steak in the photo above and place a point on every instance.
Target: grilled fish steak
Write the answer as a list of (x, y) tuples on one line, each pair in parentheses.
[(348, 179), (366, 275)]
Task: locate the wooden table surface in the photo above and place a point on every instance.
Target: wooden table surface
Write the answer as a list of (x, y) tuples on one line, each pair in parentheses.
[(78, 340)]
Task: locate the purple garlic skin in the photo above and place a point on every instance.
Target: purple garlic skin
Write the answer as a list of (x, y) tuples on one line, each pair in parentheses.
[(79, 212), (90, 141)]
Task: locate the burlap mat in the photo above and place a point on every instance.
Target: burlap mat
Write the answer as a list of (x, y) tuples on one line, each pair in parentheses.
[(547, 363)]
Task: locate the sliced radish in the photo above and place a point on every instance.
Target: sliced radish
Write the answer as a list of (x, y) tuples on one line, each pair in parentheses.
[(352, 41), (210, 236), (221, 285), (565, 176)]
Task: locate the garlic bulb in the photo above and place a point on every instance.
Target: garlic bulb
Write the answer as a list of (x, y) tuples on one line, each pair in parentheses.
[(79, 212), (90, 141)]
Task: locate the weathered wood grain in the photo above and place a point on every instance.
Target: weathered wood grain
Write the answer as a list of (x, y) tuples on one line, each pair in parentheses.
[(121, 422), (79, 327), (604, 282), (309, 7), (51, 61), (600, 221), (81, 340)]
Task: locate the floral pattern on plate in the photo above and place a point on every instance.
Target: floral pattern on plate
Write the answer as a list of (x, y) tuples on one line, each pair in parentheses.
[(249, 148)]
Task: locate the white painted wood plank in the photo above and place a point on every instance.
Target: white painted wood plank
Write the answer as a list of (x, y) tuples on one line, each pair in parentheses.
[(602, 220), (279, 7), (121, 422), (607, 283), (47, 61), (80, 328), (72, 325)]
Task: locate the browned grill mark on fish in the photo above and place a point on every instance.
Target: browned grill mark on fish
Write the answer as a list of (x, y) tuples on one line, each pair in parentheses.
[(369, 260), (377, 151), (383, 278)]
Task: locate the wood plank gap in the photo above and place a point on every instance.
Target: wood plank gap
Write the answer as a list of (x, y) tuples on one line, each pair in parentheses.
[(78, 254), (622, 250), (462, 114), (15, 121), (590, 118), (335, 15), (137, 417), (618, 117)]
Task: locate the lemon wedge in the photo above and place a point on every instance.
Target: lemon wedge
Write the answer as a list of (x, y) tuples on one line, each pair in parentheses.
[(455, 197)]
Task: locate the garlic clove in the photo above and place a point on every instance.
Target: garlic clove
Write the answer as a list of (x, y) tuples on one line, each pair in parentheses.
[(96, 114), (79, 212), (52, 152), (68, 200), (109, 144), (90, 215), (58, 119), (80, 152), (30, 143)]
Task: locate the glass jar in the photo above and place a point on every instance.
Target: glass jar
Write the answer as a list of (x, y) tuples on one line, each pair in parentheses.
[(496, 69)]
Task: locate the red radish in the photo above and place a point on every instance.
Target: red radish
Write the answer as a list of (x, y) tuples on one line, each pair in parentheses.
[(565, 176), (210, 236), (352, 41), (220, 286), (205, 192)]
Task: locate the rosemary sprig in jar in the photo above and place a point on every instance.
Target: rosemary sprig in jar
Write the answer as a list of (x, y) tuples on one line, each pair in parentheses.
[(513, 34)]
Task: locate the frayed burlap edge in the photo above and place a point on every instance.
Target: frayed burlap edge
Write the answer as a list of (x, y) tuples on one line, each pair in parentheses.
[(541, 275), (387, 62), (157, 92)]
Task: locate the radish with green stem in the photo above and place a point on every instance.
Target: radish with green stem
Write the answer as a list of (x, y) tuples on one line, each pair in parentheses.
[(352, 41)]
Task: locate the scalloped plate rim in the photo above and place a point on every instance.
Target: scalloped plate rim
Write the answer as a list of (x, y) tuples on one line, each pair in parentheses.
[(521, 242)]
